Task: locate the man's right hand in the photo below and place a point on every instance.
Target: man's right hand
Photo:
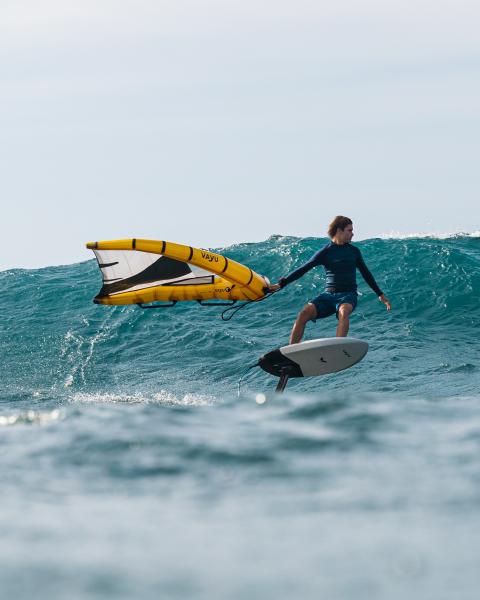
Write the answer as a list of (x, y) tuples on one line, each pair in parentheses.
[(274, 287)]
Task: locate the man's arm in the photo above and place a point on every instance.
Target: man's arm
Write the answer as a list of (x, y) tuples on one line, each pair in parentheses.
[(317, 259), (370, 280)]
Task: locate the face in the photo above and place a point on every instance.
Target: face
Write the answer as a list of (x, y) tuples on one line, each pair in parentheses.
[(345, 235)]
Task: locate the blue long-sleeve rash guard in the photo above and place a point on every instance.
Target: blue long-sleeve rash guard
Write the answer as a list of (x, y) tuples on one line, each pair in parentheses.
[(340, 263)]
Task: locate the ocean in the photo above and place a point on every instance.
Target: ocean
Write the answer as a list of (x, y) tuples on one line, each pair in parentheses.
[(131, 467)]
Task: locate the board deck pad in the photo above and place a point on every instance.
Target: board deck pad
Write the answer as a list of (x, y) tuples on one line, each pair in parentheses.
[(314, 357)]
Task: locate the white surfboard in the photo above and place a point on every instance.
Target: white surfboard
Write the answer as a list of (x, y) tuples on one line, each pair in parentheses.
[(314, 357)]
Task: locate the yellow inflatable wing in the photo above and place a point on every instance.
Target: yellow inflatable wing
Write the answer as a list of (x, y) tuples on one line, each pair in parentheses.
[(143, 271)]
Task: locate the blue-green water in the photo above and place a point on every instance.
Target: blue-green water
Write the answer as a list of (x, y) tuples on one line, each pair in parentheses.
[(131, 469)]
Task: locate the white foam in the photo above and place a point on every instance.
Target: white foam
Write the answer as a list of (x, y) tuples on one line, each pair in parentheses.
[(161, 397), (30, 417), (397, 235), (106, 398)]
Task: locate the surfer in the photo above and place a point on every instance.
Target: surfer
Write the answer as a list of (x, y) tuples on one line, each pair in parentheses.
[(340, 260)]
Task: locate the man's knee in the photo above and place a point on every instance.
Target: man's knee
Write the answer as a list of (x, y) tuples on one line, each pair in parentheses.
[(307, 313), (345, 311)]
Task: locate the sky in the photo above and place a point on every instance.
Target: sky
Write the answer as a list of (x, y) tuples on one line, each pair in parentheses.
[(212, 122)]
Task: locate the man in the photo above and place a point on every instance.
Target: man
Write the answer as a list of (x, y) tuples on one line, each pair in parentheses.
[(340, 260)]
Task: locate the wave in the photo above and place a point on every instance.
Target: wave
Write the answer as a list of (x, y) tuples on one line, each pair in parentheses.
[(56, 342)]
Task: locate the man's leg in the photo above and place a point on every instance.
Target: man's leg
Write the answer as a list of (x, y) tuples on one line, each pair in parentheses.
[(343, 326), (307, 313)]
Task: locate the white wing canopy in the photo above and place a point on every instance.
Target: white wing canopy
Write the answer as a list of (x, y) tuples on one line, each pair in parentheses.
[(131, 270)]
